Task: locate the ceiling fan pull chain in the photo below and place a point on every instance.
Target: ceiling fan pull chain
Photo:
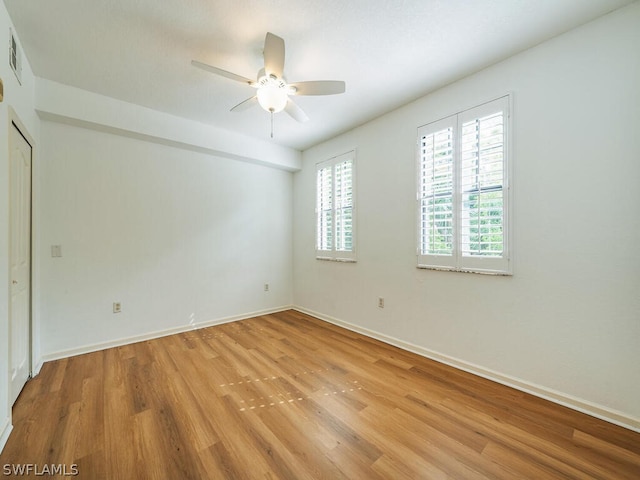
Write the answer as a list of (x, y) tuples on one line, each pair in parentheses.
[(271, 123)]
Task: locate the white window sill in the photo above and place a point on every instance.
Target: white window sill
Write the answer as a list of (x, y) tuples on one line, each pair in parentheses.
[(340, 260), (462, 270)]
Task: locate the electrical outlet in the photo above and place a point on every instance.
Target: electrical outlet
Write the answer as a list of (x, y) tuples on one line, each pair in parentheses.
[(380, 302), (266, 287), (117, 307)]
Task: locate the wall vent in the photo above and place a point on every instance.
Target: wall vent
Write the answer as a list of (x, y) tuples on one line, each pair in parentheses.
[(15, 56)]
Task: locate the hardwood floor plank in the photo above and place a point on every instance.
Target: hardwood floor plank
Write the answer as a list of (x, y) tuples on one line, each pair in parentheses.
[(252, 435), (399, 469), (285, 422), (424, 446), (288, 396), (94, 463), (607, 450), (558, 454), (65, 435), (219, 462), (516, 462), (90, 428)]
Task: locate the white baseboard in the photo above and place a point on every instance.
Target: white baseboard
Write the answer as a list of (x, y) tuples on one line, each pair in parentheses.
[(5, 431), (157, 334), (37, 367), (584, 406)]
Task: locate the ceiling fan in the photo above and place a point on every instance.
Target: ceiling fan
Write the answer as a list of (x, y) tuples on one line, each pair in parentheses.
[(273, 91)]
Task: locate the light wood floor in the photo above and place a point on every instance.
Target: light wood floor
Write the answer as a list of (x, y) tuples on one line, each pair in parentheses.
[(287, 396)]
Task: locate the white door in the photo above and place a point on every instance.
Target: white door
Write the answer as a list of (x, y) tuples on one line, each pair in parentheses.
[(20, 246)]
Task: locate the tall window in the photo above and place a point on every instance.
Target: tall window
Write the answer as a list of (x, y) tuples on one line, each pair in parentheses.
[(335, 213), (463, 193)]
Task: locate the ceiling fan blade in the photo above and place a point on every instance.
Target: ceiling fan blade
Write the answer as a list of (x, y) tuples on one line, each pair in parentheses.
[(273, 55), (319, 87), (223, 73), (295, 111), (244, 105)]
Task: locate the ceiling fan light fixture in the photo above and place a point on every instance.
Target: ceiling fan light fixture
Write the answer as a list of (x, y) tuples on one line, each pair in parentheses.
[(272, 97), (272, 90)]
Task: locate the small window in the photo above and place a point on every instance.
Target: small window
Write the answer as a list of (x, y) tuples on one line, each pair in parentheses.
[(335, 208), (463, 192)]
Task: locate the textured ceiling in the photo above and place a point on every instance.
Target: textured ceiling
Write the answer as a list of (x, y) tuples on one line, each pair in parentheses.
[(389, 52)]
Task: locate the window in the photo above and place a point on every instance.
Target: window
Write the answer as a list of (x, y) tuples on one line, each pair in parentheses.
[(463, 192), (335, 212)]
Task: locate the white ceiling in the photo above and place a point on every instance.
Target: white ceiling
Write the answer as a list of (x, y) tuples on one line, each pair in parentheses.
[(389, 52)]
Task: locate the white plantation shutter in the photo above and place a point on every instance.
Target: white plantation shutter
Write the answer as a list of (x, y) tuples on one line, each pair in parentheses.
[(463, 191), (436, 181), (482, 176), (335, 208), (324, 235), (344, 205)]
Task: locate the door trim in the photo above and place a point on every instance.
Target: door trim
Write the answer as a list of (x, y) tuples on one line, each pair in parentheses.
[(14, 120)]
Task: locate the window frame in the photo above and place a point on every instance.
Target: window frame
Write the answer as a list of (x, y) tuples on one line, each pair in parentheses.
[(456, 261), (334, 254)]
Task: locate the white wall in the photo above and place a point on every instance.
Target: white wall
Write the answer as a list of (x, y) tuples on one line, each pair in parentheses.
[(567, 324), (178, 237), (66, 104), (20, 99)]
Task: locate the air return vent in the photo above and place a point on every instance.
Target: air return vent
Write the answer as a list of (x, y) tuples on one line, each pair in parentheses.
[(15, 56)]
